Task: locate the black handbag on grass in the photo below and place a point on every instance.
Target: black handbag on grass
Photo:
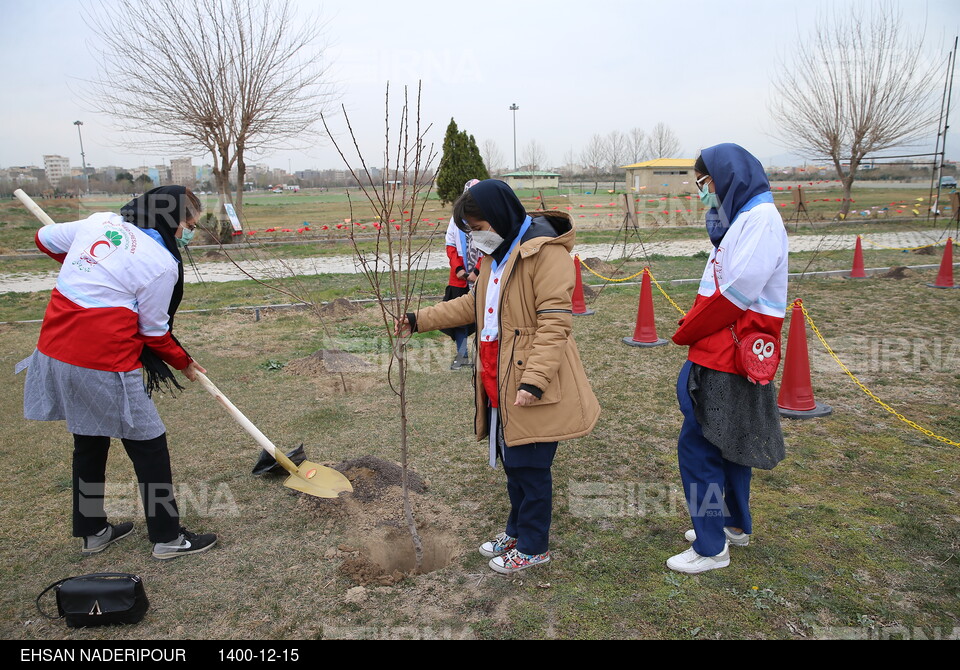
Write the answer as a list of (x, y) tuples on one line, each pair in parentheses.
[(99, 599)]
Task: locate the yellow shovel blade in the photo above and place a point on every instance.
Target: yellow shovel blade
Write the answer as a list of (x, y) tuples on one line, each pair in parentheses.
[(317, 480)]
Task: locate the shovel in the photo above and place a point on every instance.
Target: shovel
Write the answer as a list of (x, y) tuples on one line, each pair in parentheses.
[(33, 207), (311, 478)]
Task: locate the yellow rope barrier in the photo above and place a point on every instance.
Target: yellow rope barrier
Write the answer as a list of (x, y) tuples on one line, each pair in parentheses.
[(912, 424), (594, 272), (633, 276), (669, 299), (880, 246)]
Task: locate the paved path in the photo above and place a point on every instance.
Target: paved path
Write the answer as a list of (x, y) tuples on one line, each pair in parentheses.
[(219, 271)]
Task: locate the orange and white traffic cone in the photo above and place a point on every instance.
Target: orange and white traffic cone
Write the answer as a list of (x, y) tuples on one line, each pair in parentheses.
[(645, 333), (579, 304), (945, 276), (858, 272), (795, 400)]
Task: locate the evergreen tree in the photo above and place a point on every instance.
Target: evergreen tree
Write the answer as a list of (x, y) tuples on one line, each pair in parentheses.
[(461, 162)]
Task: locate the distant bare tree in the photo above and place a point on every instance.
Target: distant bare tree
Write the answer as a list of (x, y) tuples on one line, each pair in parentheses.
[(534, 156), (571, 162), (593, 158), (492, 157), (662, 143), (616, 150), (226, 77), (637, 145), (858, 84), (593, 155)]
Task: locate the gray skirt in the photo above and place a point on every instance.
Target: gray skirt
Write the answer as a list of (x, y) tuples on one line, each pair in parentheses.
[(739, 417), (93, 402)]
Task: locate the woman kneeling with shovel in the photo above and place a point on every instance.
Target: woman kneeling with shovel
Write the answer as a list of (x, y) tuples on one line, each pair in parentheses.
[(111, 314), (531, 389)]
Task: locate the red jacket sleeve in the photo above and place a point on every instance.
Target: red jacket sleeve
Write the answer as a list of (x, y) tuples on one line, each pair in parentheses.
[(167, 349), (456, 260), (55, 256), (707, 316), (456, 263)]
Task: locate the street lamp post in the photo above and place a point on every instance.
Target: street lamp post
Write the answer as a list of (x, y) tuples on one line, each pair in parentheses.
[(514, 108), (83, 157)]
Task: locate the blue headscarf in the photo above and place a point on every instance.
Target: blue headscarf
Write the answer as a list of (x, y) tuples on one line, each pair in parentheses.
[(503, 210), (741, 183)]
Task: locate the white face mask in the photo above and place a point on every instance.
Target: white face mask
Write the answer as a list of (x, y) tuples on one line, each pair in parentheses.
[(486, 240)]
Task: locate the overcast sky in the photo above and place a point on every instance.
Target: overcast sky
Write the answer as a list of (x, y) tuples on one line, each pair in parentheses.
[(574, 68)]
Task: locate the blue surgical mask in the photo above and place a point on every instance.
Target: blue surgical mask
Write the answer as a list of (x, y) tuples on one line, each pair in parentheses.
[(185, 237), (709, 199)]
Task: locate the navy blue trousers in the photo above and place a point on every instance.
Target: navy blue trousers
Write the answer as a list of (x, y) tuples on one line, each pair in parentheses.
[(717, 490), (460, 337), (530, 488), (531, 508)]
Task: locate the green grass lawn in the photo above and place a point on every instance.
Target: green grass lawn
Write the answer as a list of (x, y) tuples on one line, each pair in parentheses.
[(856, 533)]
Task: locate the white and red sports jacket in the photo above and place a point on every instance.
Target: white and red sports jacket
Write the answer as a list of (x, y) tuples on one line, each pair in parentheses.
[(112, 295), (750, 267)]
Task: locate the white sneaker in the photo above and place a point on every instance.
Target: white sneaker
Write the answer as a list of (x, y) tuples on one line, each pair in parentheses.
[(736, 539), (514, 561), (692, 563)]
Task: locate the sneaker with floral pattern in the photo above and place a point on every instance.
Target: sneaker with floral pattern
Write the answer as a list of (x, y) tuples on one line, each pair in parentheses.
[(501, 544), (514, 561)]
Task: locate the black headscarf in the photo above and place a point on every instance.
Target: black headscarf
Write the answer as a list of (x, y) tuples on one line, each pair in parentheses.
[(161, 209), (502, 209)]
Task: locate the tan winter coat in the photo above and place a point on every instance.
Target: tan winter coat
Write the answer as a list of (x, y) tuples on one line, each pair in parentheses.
[(536, 345)]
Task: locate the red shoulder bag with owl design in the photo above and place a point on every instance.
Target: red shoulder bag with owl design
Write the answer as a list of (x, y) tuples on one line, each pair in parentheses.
[(758, 356)]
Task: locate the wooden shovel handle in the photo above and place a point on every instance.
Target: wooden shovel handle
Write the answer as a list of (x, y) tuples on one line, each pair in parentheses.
[(33, 207), (247, 425)]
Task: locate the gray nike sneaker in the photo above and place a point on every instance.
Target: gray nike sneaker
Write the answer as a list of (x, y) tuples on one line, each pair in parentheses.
[(186, 543), (94, 544)]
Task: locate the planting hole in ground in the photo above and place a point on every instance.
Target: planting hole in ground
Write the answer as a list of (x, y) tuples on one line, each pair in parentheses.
[(388, 556)]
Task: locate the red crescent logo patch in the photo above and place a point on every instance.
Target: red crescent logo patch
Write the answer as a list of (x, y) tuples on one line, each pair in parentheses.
[(93, 248)]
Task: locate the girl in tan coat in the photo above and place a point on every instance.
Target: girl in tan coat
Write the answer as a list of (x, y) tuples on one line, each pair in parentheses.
[(531, 389)]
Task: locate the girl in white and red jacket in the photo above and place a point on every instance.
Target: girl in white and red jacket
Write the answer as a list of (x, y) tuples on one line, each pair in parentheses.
[(464, 261), (110, 315), (730, 419)]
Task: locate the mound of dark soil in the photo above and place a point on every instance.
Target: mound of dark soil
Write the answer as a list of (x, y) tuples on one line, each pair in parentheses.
[(372, 476), (379, 550), (602, 267), (898, 272), (339, 308), (365, 572), (326, 360)]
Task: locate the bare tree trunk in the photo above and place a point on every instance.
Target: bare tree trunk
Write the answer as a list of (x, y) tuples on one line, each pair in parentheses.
[(241, 172), (223, 191), (847, 183), (404, 450)]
